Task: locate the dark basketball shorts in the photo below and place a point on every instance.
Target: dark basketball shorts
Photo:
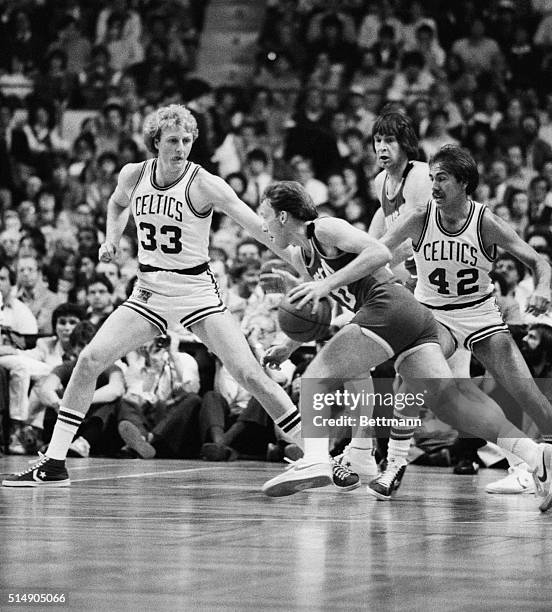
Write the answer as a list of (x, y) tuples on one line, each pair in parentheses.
[(396, 320)]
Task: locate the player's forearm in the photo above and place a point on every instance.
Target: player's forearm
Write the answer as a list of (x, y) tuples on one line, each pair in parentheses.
[(542, 273), (117, 218), (367, 262), (401, 253)]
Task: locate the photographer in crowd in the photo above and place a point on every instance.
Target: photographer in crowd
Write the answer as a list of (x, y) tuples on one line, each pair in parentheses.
[(158, 416)]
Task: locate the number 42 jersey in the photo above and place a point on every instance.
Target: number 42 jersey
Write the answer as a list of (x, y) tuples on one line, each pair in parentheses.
[(453, 267), (172, 234)]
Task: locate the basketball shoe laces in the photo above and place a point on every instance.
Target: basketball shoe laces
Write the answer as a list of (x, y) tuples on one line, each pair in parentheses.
[(390, 474), (35, 465), (341, 471)]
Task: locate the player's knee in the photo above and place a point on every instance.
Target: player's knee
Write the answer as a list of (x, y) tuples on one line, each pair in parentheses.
[(249, 378), (90, 362)]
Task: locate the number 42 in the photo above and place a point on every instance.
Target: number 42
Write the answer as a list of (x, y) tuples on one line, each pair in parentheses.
[(466, 281)]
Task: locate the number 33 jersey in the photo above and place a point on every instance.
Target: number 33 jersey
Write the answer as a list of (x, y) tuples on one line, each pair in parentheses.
[(453, 267), (172, 234)]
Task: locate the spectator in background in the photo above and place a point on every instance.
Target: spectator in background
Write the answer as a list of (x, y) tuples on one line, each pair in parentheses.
[(67, 191), (427, 44), (123, 51), (437, 134), (113, 273), (101, 184), (259, 177), (96, 434), (369, 78), (127, 257), (537, 150), (132, 22), (325, 75), (513, 272), (158, 415), (56, 84), (332, 41), (497, 181), (22, 47), (477, 51), (522, 59), (379, 14), (97, 78), (540, 202), (34, 364), (509, 131), (232, 423), (519, 175), (200, 101), (155, 73), (99, 299), (247, 250), (386, 49), (35, 141), (112, 127), (469, 123), (518, 203), (303, 173), (412, 81), (32, 291), (358, 114), (73, 43), (18, 332)]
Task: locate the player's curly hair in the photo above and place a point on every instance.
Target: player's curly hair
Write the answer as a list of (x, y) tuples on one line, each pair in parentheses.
[(174, 115), (399, 125), (457, 161), (291, 197)]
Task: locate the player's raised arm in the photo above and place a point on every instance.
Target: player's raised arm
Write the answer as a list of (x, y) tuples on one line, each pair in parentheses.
[(496, 231), (118, 210), (408, 226)]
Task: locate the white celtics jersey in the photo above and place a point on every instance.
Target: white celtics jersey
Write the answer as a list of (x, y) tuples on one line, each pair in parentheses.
[(172, 235), (453, 267)]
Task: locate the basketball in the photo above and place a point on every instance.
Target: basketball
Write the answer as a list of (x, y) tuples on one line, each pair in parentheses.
[(301, 324)]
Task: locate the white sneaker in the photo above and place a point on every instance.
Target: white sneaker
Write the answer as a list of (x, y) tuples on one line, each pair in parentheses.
[(81, 447), (542, 475), (519, 480), (359, 460), (299, 475)]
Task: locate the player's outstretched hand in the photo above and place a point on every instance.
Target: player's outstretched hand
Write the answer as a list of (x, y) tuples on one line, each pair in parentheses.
[(276, 355), (539, 303), (107, 252)]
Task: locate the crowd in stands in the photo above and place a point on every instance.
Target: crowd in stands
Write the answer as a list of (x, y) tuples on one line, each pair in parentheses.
[(467, 72)]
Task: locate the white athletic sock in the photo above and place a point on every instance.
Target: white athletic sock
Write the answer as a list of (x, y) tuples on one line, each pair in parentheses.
[(524, 448), (316, 449), (362, 443), (512, 459), (397, 450), (290, 425), (67, 423)]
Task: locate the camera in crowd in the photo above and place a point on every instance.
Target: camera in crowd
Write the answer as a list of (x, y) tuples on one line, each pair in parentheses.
[(161, 342)]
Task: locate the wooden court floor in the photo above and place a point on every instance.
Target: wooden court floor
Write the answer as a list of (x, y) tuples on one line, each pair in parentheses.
[(190, 535)]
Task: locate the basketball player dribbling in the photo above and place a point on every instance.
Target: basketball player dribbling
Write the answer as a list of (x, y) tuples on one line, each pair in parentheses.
[(402, 182), (389, 322), (171, 200), (455, 241)]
